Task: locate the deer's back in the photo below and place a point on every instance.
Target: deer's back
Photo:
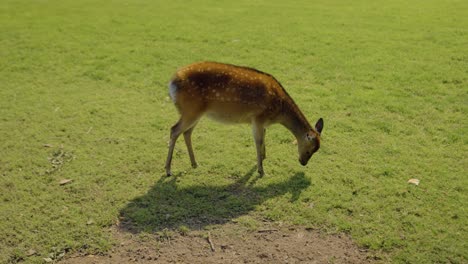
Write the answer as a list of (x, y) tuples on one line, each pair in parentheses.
[(226, 92)]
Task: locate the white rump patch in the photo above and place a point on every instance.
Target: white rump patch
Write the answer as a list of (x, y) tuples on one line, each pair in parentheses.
[(172, 91)]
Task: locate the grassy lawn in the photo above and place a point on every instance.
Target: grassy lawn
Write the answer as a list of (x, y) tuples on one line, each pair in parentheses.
[(83, 96)]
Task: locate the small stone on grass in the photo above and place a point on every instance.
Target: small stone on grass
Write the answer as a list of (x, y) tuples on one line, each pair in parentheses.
[(413, 181), (65, 181)]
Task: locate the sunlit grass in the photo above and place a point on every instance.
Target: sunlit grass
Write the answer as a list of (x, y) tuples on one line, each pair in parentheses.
[(89, 80)]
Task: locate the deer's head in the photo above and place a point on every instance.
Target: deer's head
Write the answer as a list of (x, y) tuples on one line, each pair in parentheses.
[(309, 143)]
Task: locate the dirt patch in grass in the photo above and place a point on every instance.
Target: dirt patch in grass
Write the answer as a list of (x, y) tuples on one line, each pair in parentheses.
[(229, 243)]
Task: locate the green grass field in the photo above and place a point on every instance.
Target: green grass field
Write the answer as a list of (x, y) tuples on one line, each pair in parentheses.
[(83, 96)]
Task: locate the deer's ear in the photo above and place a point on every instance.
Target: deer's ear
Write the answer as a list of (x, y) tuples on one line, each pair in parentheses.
[(319, 125)]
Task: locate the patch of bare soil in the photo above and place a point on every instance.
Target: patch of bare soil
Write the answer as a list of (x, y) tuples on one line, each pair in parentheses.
[(230, 243)]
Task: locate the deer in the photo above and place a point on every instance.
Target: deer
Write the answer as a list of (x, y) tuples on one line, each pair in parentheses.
[(237, 94)]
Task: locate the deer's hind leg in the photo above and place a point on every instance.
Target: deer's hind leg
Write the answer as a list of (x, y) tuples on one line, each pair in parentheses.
[(185, 125), (188, 142)]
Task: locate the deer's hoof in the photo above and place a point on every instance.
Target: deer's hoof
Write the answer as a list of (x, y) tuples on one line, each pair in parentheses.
[(194, 165)]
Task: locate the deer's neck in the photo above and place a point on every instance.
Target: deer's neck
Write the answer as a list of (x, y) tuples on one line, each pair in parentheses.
[(292, 118)]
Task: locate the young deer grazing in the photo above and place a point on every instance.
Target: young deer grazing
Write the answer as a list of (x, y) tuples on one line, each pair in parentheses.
[(234, 94)]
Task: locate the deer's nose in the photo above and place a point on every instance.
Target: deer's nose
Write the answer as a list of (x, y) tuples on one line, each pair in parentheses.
[(303, 163)]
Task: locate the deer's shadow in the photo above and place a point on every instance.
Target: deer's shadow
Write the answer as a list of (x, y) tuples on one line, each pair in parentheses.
[(167, 205)]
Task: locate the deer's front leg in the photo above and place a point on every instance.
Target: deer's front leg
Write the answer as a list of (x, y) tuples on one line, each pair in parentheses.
[(259, 138), (263, 145)]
